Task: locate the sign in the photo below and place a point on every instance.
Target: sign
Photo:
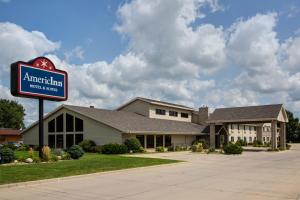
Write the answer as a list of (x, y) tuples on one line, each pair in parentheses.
[(40, 79)]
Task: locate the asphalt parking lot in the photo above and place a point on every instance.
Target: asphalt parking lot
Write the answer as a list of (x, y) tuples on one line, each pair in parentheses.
[(253, 175)]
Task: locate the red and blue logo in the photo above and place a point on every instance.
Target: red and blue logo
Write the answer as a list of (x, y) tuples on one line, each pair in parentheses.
[(39, 78)]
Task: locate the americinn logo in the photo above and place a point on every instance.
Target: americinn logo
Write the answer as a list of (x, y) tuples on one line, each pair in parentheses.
[(39, 78)]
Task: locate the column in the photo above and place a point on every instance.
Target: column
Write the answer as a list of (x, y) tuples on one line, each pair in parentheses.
[(145, 141), (164, 142), (212, 136), (273, 134), (259, 133), (282, 135), (154, 141)]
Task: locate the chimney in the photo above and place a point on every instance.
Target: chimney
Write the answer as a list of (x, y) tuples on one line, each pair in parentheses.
[(203, 114), (92, 106)]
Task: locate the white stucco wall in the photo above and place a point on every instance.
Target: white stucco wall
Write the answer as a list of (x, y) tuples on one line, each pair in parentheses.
[(152, 113)]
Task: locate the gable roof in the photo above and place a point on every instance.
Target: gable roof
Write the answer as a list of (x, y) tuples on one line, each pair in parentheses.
[(156, 102), (246, 114), (129, 122), (10, 132)]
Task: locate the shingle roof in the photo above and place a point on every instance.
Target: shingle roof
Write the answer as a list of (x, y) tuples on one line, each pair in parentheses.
[(157, 102), (8, 132), (249, 113), (129, 122)]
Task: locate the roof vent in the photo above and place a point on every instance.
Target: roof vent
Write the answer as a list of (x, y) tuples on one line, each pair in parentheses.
[(92, 106)]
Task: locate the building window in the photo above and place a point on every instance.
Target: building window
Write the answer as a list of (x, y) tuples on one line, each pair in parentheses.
[(245, 139), (160, 112), (168, 140), (78, 138), (141, 138), (250, 139), (173, 113), (264, 139), (232, 139), (60, 123), (254, 128), (268, 139), (51, 126), (69, 123), (239, 138), (184, 115), (51, 141), (78, 125), (69, 140), (159, 140), (59, 141), (150, 141), (254, 138)]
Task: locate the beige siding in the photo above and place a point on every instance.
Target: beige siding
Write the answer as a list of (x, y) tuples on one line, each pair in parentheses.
[(182, 139), (139, 107), (93, 130), (152, 113)]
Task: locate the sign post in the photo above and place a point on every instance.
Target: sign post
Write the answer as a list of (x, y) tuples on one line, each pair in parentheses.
[(39, 79)]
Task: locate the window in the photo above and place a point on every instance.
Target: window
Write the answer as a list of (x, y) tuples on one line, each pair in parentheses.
[(254, 138), (160, 112), (231, 126), (250, 139), (159, 140), (232, 139), (239, 138), (268, 139), (59, 141), (168, 141), (51, 141), (245, 139), (141, 138), (78, 138), (78, 125), (184, 115), (254, 128), (60, 123), (69, 123), (69, 140), (51, 126), (173, 113), (264, 139)]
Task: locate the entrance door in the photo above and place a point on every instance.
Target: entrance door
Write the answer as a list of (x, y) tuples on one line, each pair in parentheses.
[(150, 141)]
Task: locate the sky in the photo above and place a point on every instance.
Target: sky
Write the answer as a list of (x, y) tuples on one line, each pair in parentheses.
[(192, 52)]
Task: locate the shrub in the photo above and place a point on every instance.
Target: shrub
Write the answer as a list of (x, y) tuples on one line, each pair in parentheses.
[(160, 149), (114, 148), (257, 143), (66, 156), (87, 145), (204, 142), (75, 151), (233, 149), (30, 152), (54, 158), (36, 160), (211, 150), (6, 155), (23, 147), (288, 146), (197, 147), (96, 149), (46, 153), (58, 152), (22, 159), (241, 143), (133, 144), (142, 150)]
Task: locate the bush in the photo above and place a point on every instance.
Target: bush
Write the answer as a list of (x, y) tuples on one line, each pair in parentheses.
[(6, 155), (133, 144), (66, 156), (75, 151), (204, 142), (87, 145), (160, 149), (58, 152), (114, 148), (23, 147), (36, 160), (241, 143), (54, 158), (211, 150), (233, 149), (46, 153), (288, 146), (96, 149), (197, 147)]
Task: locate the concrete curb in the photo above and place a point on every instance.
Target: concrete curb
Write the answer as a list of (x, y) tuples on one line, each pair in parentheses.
[(61, 179)]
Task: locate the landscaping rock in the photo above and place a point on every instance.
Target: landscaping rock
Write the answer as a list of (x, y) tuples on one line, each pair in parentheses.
[(59, 157), (15, 161), (28, 160)]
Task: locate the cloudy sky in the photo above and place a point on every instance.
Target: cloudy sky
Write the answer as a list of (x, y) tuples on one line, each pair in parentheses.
[(192, 52)]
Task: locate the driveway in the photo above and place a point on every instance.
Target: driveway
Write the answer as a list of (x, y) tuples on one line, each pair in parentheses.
[(253, 175)]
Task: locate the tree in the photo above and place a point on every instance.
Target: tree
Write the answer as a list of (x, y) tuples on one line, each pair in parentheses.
[(11, 114), (292, 128)]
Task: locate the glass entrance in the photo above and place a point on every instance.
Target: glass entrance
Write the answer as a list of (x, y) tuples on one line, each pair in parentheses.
[(150, 141)]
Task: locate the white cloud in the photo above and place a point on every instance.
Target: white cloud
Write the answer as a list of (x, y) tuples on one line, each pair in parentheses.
[(20, 44), (76, 53)]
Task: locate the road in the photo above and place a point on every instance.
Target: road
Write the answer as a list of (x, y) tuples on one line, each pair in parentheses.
[(253, 175)]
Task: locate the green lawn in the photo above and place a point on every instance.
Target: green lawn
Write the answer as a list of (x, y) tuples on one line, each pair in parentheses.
[(89, 163)]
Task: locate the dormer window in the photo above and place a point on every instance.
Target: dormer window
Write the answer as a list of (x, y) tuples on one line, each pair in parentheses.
[(173, 113), (184, 115), (160, 112)]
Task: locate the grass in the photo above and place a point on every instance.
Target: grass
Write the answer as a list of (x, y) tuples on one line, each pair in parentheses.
[(89, 163)]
